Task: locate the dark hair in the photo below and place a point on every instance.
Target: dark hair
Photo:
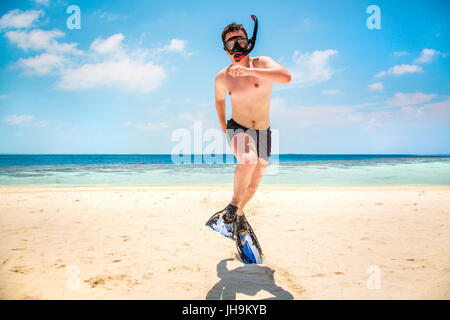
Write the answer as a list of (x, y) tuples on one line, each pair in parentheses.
[(232, 27)]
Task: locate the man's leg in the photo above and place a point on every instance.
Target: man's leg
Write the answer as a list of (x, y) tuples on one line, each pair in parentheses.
[(244, 149), (258, 173)]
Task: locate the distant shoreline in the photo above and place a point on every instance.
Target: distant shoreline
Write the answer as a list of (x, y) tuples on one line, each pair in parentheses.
[(16, 160)]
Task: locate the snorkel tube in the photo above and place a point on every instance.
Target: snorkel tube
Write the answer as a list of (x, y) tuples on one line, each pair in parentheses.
[(251, 44)]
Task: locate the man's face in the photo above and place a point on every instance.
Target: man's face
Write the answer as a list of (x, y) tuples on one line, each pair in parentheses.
[(229, 35)]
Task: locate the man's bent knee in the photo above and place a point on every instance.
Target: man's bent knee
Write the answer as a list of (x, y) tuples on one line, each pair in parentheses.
[(263, 163), (248, 158), (246, 167)]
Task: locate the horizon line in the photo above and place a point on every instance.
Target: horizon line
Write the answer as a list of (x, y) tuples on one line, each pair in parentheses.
[(218, 154)]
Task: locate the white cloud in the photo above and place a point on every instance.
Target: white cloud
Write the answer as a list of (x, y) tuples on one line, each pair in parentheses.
[(108, 63), (426, 55), (38, 39), (43, 2), (24, 120), (377, 86), (373, 123), (321, 116), (355, 117), (14, 119), (124, 75), (120, 67), (148, 126), (177, 45), (306, 23), (407, 99), (38, 124), (414, 111), (438, 111), (128, 72), (187, 118), (155, 111), (20, 19), (111, 16), (42, 64), (300, 121), (332, 92), (400, 53), (312, 68), (110, 45), (400, 69)]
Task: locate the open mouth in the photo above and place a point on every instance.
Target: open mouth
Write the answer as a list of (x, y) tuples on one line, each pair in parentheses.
[(238, 56)]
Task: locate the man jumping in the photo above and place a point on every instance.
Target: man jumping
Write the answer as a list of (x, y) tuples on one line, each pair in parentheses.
[(248, 82)]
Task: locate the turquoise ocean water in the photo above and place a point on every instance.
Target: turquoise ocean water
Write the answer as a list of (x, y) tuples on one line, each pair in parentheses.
[(288, 169)]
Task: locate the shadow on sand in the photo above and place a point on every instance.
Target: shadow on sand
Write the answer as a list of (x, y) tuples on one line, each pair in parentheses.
[(248, 279)]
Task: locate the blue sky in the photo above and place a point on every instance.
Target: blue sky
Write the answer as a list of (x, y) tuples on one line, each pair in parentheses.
[(138, 70)]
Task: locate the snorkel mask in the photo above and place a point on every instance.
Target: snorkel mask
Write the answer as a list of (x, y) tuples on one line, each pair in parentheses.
[(239, 46)]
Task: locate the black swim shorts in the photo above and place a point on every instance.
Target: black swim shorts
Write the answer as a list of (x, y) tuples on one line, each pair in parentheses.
[(263, 137)]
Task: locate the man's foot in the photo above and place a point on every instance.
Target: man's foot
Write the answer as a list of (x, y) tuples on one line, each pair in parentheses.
[(246, 241), (241, 225), (223, 221), (229, 213)]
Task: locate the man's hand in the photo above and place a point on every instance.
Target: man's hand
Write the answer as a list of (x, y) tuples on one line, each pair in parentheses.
[(270, 70), (239, 71)]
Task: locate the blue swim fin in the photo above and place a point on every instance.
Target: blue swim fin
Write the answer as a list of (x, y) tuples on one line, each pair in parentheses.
[(218, 222), (248, 247)]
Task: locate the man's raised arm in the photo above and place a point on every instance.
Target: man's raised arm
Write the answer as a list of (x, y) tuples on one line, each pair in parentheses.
[(271, 71)]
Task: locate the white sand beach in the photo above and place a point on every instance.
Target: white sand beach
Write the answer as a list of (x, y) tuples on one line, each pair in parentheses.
[(150, 242)]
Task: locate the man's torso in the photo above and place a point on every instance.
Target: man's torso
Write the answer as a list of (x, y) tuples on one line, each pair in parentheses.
[(250, 98)]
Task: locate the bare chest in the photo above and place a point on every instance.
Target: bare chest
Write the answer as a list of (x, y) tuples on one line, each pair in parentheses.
[(246, 87)]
